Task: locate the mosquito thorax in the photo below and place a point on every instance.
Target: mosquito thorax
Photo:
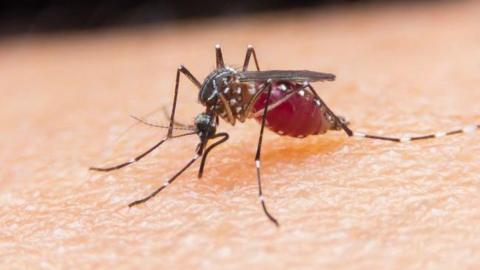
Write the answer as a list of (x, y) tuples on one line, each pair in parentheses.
[(205, 125), (214, 83)]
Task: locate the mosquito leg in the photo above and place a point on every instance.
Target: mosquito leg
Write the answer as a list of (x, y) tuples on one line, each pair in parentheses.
[(139, 157), (338, 124), (188, 74), (338, 120), (258, 155), (219, 56), (209, 148), (181, 70), (167, 183), (466, 129), (250, 52), (343, 125)]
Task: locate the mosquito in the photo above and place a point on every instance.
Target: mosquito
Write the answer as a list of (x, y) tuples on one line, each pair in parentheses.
[(283, 101)]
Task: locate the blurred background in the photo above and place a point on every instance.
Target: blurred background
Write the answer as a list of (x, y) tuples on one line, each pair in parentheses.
[(37, 16)]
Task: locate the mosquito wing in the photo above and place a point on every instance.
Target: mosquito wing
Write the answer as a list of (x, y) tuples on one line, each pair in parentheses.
[(285, 75)]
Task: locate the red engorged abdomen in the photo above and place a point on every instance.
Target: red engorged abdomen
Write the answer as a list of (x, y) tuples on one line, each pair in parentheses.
[(298, 116)]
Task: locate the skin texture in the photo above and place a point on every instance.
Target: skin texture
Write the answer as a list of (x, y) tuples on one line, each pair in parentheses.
[(342, 203)]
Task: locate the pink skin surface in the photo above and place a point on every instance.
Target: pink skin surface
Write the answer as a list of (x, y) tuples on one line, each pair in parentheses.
[(298, 116), (342, 203)]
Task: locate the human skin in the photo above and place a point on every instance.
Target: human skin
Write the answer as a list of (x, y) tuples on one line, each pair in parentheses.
[(342, 203)]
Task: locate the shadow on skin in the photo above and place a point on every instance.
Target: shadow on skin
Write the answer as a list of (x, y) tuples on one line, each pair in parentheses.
[(226, 169)]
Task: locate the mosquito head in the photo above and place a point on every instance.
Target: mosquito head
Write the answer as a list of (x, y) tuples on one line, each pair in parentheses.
[(215, 82), (205, 126)]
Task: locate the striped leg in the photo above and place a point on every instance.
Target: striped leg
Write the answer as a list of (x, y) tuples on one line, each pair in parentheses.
[(258, 154), (167, 183), (351, 133), (199, 151), (466, 129), (139, 157)]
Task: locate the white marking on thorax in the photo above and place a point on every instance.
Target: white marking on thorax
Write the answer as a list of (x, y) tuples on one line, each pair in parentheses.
[(251, 89)]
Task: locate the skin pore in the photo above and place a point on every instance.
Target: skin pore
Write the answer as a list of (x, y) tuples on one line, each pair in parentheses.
[(342, 202)]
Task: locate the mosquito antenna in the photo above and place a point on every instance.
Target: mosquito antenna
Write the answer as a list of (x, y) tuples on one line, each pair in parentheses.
[(190, 128), (168, 116), (139, 157), (167, 183), (136, 123)]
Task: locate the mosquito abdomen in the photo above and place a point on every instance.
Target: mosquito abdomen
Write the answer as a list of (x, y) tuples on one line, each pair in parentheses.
[(298, 116)]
